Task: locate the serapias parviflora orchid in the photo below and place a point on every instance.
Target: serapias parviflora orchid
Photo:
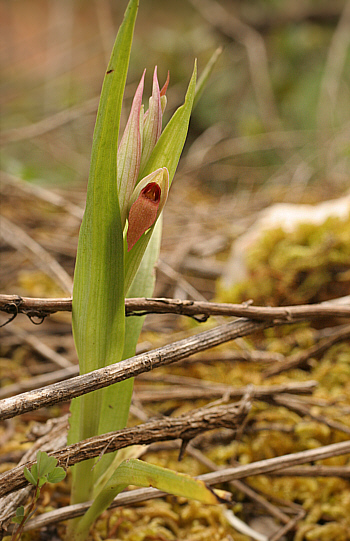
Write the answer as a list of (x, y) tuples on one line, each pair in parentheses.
[(141, 200)]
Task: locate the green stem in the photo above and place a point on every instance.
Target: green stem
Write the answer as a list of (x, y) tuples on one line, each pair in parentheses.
[(31, 509)]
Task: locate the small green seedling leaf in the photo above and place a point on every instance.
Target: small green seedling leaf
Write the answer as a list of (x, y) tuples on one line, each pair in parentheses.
[(45, 463), (34, 472), (57, 475), (19, 515), (44, 470), (42, 481), (33, 479)]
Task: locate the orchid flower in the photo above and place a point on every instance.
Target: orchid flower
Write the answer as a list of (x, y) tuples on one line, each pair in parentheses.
[(142, 202)]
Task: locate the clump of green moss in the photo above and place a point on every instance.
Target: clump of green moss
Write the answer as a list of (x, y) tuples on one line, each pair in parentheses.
[(310, 264)]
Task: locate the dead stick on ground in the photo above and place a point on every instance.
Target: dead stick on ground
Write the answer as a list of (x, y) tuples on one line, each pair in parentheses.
[(39, 192), (185, 427), (39, 381), (103, 377), (14, 304), (152, 394), (49, 123)]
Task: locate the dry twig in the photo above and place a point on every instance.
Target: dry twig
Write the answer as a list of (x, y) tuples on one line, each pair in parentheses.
[(103, 377), (42, 193), (14, 304), (49, 123), (217, 391), (185, 427), (295, 405)]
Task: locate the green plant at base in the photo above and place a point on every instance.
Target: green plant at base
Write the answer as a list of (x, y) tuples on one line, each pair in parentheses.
[(44, 471), (118, 247)]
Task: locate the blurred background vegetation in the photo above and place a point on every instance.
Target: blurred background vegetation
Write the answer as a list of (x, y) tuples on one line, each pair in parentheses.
[(276, 111)]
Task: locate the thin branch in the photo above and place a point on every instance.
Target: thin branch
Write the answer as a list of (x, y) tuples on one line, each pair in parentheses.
[(157, 395), (14, 304), (239, 485), (35, 382), (287, 527), (103, 377), (318, 470), (278, 463), (185, 427)]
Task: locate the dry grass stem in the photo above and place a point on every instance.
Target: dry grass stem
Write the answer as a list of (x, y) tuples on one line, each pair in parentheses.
[(13, 304), (98, 379)]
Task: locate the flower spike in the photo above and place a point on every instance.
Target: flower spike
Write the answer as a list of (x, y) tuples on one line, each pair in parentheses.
[(152, 126), (129, 152)]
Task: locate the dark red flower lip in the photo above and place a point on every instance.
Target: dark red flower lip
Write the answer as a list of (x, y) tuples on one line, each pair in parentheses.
[(152, 191), (149, 199), (143, 213)]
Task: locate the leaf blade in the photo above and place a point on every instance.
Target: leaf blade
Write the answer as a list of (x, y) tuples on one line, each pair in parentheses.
[(139, 473), (98, 294), (118, 396)]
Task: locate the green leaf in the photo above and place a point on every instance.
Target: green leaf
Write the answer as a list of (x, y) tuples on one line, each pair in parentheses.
[(20, 511), (33, 479), (117, 399), (19, 515), (42, 481), (98, 295), (45, 463), (139, 473), (203, 79), (17, 520), (57, 475)]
